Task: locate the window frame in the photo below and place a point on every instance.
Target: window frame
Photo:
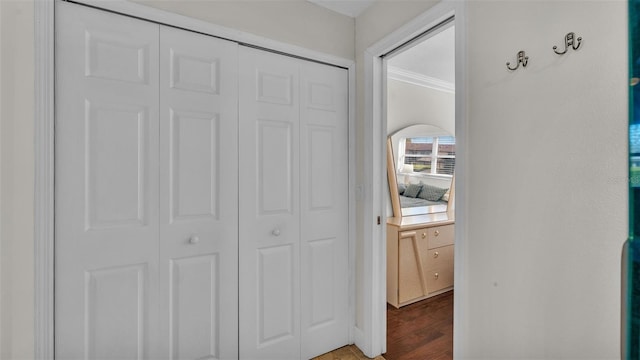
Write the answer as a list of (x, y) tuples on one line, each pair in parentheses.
[(434, 156)]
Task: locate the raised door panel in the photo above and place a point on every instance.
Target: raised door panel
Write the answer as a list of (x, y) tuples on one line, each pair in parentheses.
[(274, 167), (106, 226), (269, 206), (324, 208), (194, 313), (194, 168), (127, 339), (111, 56), (116, 176), (276, 320), (198, 201)]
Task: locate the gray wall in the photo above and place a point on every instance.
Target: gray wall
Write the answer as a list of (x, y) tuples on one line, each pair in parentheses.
[(16, 179)]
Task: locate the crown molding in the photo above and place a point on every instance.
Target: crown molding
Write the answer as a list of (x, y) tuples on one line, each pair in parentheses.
[(420, 80)]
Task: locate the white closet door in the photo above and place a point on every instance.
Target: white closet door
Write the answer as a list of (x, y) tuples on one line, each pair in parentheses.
[(106, 186), (324, 200), (293, 207), (269, 207), (198, 196)]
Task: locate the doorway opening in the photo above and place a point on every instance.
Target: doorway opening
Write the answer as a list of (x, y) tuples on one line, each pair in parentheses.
[(373, 339), (419, 105)]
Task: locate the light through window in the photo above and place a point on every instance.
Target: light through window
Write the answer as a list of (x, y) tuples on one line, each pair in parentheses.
[(428, 155)]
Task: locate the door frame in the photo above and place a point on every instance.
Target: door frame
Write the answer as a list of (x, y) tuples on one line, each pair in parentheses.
[(44, 118), (372, 335)]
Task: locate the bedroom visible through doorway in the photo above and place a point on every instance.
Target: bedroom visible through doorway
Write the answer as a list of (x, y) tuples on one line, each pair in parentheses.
[(419, 98)]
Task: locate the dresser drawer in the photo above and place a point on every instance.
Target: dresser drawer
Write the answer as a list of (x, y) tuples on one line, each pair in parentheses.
[(440, 258), (438, 279), (440, 236)]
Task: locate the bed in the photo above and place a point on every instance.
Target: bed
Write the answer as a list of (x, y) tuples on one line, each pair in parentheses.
[(416, 195), (409, 202)]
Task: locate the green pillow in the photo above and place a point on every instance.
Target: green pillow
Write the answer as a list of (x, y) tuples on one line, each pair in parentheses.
[(413, 190), (431, 193)]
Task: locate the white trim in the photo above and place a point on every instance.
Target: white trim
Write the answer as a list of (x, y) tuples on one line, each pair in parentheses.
[(352, 204), (44, 144), (358, 337), (44, 178), (461, 184), (1, 242), (366, 331), (374, 249), (172, 19), (414, 78), (380, 308)]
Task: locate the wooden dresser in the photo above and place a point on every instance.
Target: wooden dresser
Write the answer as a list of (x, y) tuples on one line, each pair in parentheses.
[(419, 257)]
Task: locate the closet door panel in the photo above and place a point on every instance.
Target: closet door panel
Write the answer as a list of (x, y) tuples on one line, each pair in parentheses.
[(106, 185), (324, 208), (269, 206), (198, 195)]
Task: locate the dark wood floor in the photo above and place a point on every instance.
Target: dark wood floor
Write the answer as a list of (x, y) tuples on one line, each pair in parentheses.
[(421, 331)]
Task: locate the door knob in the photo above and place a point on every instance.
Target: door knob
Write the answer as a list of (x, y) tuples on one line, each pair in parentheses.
[(276, 232), (194, 239)]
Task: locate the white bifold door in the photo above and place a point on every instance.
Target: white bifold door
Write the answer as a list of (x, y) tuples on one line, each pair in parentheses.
[(146, 183), (201, 196), (294, 207)]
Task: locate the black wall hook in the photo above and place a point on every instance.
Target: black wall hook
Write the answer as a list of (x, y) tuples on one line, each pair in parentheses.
[(569, 41), (522, 59)]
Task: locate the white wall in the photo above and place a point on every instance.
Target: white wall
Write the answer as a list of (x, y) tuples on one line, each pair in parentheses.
[(409, 104), (16, 182), (543, 270), (547, 216), (297, 22)]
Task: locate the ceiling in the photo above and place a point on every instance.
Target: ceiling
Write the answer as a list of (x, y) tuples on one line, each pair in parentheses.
[(432, 58), (350, 8)]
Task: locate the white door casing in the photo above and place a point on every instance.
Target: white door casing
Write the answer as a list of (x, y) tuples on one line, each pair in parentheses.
[(106, 185), (198, 201)]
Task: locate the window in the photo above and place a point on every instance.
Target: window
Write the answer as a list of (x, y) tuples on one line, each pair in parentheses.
[(428, 155)]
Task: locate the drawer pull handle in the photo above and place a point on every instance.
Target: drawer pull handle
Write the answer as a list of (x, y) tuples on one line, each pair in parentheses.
[(435, 254), (194, 239), (436, 276), (424, 235), (436, 233), (275, 232)]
